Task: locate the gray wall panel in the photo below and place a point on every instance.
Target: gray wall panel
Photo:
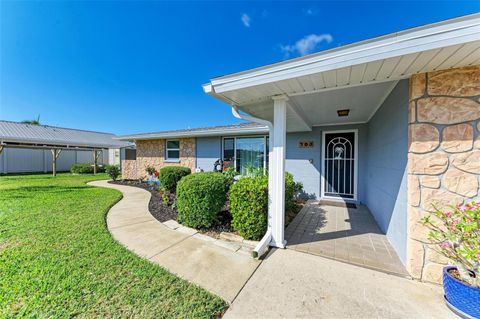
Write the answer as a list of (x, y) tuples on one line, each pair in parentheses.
[(208, 151), (23, 160), (386, 184)]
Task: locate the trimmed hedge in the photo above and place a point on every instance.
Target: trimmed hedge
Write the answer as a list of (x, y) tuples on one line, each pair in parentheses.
[(85, 168), (249, 204), (170, 175), (200, 197)]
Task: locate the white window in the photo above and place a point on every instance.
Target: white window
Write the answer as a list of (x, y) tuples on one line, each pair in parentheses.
[(173, 150), (246, 153)]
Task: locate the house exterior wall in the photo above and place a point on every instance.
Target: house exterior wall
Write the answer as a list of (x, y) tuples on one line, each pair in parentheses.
[(129, 169), (386, 163), (444, 155), (303, 163), (306, 164), (152, 153), (209, 150)]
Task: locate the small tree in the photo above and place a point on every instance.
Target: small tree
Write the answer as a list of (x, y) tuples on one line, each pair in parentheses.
[(113, 171)]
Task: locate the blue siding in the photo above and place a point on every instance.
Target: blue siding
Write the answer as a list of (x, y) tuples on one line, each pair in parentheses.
[(386, 186), (305, 163), (208, 151)]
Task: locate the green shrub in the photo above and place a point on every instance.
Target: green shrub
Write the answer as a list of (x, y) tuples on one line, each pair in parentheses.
[(200, 197), (249, 204), (230, 174), (291, 191), (170, 175), (85, 168), (113, 171)]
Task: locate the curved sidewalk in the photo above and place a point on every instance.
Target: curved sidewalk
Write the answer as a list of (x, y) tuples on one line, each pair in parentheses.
[(184, 252)]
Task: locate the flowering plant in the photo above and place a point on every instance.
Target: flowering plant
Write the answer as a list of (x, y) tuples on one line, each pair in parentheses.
[(456, 233), (150, 170), (155, 173)]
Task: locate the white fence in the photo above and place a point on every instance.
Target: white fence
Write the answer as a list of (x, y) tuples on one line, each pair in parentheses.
[(21, 160)]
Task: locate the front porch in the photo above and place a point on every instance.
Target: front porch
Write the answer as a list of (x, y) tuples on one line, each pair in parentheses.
[(345, 234), (412, 98)]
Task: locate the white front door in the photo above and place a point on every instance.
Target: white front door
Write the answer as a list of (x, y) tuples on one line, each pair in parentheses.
[(339, 165)]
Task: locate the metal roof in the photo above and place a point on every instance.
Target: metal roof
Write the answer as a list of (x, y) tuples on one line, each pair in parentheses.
[(223, 130), (23, 133)]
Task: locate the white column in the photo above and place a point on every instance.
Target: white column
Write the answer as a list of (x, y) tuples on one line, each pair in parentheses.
[(277, 170)]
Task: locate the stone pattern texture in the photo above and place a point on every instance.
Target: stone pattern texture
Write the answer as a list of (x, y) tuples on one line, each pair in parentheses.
[(444, 155), (129, 169), (152, 153)]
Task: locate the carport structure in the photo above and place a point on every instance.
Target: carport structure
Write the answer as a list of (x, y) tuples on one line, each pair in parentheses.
[(368, 102), (14, 135)]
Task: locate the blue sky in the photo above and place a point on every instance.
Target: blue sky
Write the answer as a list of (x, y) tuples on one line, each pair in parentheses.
[(128, 67)]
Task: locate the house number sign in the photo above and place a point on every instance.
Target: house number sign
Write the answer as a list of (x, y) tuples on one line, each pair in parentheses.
[(305, 144)]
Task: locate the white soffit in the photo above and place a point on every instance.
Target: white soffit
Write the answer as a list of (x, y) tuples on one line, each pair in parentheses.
[(321, 107), (448, 44)]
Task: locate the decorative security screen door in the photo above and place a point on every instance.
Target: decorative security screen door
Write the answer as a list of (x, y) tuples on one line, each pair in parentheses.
[(339, 165)]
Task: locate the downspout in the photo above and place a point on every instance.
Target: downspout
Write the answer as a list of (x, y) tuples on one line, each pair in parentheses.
[(262, 246)]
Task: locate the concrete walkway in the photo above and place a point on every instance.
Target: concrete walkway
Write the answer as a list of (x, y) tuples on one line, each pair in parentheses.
[(287, 284), (184, 252), (291, 284)]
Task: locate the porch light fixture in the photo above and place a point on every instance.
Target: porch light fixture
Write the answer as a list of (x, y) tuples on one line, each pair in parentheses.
[(342, 113)]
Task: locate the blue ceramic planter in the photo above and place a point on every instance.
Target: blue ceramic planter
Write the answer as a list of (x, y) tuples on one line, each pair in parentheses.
[(460, 297)]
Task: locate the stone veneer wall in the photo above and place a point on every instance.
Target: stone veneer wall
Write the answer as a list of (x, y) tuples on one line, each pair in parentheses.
[(444, 155), (152, 153), (129, 169)]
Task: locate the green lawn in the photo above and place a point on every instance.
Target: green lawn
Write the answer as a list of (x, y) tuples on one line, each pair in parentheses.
[(58, 260)]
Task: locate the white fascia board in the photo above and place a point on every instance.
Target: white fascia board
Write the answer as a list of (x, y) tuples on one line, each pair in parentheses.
[(458, 31), (207, 88), (152, 136)]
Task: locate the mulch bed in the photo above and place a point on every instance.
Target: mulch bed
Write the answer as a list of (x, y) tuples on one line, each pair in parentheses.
[(163, 212), (157, 208)]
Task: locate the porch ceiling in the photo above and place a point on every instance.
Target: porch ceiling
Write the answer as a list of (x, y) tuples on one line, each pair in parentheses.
[(317, 109)]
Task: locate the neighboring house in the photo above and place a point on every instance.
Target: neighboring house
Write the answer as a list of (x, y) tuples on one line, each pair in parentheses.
[(28, 148), (391, 122)]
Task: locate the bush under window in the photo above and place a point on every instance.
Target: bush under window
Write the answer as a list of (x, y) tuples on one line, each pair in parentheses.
[(200, 198), (85, 168), (170, 175)]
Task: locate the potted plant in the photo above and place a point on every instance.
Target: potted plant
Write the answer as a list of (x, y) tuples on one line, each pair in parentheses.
[(455, 233)]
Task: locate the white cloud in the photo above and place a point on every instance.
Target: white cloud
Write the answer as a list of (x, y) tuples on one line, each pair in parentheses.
[(310, 12), (245, 20), (306, 45)]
